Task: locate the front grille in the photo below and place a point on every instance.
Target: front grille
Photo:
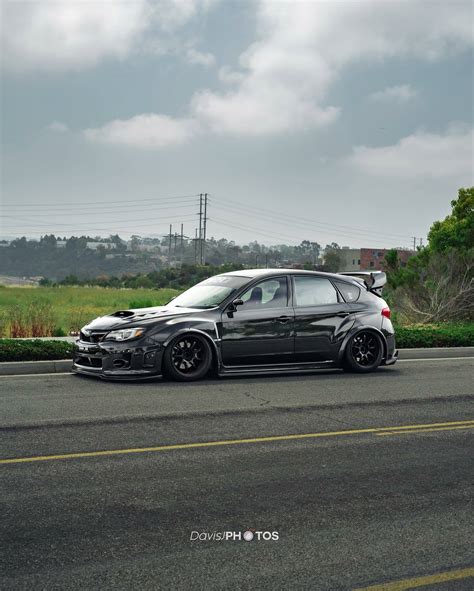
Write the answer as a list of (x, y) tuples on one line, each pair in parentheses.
[(93, 337), (89, 362)]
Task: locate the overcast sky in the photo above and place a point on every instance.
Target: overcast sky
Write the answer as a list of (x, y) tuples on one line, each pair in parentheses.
[(330, 121)]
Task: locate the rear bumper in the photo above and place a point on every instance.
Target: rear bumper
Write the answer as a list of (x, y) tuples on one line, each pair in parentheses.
[(391, 356), (392, 359), (118, 361)]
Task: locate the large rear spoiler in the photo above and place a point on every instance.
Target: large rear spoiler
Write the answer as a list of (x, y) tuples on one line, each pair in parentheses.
[(373, 280)]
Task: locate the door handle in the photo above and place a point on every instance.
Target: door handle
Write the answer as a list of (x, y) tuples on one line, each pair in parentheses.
[(343, 314), (282, 319)]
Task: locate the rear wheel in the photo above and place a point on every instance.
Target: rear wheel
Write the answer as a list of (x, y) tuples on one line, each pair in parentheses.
[(188, 357), (364, 352)]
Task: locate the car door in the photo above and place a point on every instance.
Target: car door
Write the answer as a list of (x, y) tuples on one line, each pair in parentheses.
[(322, 318), (259, 332)]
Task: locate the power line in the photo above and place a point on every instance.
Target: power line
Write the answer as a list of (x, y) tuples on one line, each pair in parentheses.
[(89, 224), (271, 213), (109, 202), (108, 210)]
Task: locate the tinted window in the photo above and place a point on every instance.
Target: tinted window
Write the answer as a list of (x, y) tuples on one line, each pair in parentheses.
[(271, 293), (314, 291), (210, 292), (350, 292)]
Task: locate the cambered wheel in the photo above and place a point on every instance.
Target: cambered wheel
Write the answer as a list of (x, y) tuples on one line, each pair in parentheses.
[(188, 357), (364, 352)]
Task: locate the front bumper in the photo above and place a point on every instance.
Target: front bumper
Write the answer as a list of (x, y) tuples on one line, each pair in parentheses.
[(118, 361)]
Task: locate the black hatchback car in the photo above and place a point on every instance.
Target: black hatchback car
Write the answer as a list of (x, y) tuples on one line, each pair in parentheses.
[(253, 321)]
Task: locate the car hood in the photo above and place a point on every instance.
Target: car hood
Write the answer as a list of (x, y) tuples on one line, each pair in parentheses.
[(138, 317)]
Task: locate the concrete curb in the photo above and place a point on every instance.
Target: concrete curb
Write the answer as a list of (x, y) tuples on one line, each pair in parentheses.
[(64, 365), (9, 368)]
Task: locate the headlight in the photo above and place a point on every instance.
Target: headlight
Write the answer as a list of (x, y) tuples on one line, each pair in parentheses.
[(124, 335)]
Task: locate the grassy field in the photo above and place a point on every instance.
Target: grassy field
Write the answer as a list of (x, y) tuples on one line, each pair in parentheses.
[(62, 309)]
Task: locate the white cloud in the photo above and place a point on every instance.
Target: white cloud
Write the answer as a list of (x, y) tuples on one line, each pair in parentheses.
[(75, 34), (145, 131), (57, 127), (302, 47), (420, 155), (198, 58), (399, 94), (283, 78), (230, 76)]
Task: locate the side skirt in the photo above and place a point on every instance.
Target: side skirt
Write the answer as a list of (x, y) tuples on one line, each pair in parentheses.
[(251, 370)]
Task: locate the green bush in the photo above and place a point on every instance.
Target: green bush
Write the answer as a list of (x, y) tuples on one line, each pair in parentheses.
[(34, 350), (447, 335)]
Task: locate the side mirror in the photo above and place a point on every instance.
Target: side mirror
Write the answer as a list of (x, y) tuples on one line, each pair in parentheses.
[(233, 307)]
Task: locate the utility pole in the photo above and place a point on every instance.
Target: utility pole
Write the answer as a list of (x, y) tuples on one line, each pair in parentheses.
[(205, 226), (169, 246), (182, 244), (195, 245), (266, 261), (421, 242), (175, 250), (414, 242), (200, 228)]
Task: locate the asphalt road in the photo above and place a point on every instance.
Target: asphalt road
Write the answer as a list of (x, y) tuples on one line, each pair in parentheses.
[(377, 490)]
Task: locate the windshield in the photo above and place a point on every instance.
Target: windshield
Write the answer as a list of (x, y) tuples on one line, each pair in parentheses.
[(210, 293)]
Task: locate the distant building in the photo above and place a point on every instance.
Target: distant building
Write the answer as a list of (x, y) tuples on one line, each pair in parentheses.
[(350, 259), (369, 259), (373, 258)]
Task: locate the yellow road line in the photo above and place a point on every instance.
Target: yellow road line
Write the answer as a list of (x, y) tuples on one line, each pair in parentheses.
[(415, 431), (444, 577), (159, 448)]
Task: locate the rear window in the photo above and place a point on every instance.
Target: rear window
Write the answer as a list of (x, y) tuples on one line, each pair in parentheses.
[(350, 292)]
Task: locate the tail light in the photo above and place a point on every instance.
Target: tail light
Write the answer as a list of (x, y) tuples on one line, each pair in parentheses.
[(386, 312)]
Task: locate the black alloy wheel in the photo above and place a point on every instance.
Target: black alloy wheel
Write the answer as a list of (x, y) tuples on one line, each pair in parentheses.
[(364, 352), (188, 357)]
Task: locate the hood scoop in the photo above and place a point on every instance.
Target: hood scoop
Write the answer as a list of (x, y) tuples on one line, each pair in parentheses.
[(123, 314), (139, 313)]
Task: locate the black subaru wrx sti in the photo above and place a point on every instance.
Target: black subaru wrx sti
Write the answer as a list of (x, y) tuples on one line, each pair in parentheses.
[(254, 321)]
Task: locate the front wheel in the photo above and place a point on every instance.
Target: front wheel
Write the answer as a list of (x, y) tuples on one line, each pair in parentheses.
[(188, 357), (364, 352)]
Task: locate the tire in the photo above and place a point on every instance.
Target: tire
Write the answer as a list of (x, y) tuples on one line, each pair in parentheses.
[(187, 358), (364, 352)]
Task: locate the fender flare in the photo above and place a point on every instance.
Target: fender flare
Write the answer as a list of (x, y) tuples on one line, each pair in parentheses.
[(356, 330), (215, 349)]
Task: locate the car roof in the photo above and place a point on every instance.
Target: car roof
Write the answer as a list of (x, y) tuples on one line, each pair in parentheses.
[(252, 273)]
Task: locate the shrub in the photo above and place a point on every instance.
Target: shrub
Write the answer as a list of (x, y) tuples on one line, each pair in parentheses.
[(37, 319), (59, 332), (448, 335), (34, 350)]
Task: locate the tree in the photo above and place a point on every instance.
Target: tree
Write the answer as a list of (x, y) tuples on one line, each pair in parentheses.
[(457, 229), (391, 262), (332, 258), (438, 283)]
